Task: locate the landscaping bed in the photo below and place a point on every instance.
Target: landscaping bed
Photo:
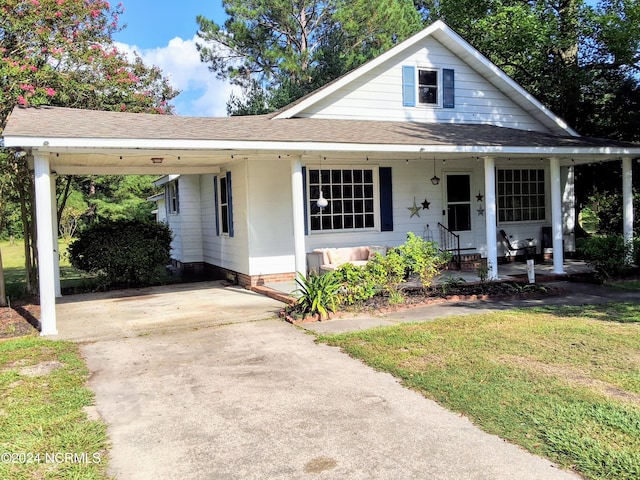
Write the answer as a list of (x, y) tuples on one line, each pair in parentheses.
[(19, 320), (414, 296)]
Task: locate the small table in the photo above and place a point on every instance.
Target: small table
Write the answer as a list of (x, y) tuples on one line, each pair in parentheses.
[(530, 250)]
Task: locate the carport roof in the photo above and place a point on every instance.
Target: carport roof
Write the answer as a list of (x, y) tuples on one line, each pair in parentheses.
[(29, 126)]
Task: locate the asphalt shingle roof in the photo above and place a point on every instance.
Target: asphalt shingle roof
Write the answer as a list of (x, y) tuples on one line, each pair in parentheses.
[(59, 122)]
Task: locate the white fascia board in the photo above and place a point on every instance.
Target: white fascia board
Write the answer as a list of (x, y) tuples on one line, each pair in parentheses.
[(156, 198), (164, 180), (297, 147)]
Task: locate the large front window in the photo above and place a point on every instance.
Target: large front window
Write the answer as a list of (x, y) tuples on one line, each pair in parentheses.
[(350, 196), (521, 195)]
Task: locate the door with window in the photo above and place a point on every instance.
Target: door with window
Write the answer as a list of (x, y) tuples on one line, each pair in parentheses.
[(458, 206)]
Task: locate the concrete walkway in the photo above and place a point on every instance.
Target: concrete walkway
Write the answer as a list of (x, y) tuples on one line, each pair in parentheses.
[(190, 393)]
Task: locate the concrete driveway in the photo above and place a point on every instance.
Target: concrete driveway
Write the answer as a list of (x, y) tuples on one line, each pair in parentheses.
[(239, 394)]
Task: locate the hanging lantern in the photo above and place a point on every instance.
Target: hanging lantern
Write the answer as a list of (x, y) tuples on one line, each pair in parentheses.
[(434, 180)]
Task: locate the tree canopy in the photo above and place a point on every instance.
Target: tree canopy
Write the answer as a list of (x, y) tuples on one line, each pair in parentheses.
[(61, 52), (279, 50), (581, 59)]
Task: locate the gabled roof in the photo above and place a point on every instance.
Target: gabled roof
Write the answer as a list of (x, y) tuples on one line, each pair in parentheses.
[(466, 52)]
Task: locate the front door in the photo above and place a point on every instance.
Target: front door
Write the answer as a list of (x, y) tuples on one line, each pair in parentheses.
[(458, 207)]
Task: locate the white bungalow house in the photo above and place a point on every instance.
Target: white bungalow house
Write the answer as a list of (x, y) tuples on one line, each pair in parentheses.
[(428, 133)]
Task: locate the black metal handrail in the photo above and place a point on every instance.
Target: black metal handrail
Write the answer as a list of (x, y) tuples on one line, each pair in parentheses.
[(450, 242)]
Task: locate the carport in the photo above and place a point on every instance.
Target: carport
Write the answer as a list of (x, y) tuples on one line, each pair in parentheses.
[(98, 150)]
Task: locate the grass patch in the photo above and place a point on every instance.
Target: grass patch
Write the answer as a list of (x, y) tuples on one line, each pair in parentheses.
[(626, 285), (13, 265), (44, 431), (562, 382)]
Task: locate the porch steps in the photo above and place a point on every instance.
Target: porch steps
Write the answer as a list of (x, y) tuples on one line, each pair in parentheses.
[(468, 262)]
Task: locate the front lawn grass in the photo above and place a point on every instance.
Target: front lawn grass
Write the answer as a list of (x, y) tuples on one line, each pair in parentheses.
[(13, 264), (44, 431), (563, 382), (626, 285)]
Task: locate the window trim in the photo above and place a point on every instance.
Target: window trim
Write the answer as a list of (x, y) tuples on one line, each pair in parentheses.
[(445, 83), (173, 198), (545, 195), (223, 201), (375, 170), (438, 86)]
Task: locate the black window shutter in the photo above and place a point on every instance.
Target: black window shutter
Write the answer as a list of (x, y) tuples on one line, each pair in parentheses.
[(217, 205), (448, 88), (386, 200), (230, 204)]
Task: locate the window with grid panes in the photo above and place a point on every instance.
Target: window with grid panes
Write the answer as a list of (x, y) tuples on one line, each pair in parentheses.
[(350, 193), (521, 195)]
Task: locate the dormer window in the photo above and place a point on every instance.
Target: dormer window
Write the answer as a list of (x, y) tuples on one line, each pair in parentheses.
[(428, 86)]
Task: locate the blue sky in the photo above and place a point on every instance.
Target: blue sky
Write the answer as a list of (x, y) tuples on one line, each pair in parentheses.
[(164, 34)]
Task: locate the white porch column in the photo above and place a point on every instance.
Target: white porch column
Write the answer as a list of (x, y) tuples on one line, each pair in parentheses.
[(627, 203), (56, 246), (491, 216), (297, 190), (556, 216), (46, 248)]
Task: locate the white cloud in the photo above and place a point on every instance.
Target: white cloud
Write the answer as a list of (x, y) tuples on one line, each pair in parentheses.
[(203, 95)]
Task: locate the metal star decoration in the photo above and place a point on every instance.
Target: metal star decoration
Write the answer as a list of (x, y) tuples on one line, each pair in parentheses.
[(479, 197), (425, 204), (415, 210), (480, 211)]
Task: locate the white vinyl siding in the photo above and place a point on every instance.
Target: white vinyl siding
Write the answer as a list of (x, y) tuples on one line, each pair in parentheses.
[(378, 95), (222, 250), (271, 243)]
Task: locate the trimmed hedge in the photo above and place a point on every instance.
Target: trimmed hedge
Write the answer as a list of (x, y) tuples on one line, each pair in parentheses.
[(125, 253)]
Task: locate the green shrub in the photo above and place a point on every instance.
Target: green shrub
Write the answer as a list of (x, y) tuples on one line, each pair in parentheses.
[(422, 257), (318, 293), (607, 254), (358, 283), (123, 252), (394, 267)]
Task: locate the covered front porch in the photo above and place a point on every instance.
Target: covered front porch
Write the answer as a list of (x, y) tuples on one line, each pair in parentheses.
[(515, 271)]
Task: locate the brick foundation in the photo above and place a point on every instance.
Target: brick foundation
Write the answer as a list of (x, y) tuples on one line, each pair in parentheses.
[(247, 281)]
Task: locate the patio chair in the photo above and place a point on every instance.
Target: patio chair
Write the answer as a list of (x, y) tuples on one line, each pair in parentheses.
[(512, 249)]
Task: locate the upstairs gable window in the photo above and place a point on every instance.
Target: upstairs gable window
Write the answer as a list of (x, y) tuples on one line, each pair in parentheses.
[(428, 86)]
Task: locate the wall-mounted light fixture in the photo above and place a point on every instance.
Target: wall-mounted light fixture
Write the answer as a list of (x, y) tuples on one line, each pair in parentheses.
[(435, 180), (157, 160)]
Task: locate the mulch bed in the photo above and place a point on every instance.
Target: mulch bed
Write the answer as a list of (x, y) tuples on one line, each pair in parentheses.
[(415, 297), (19, 320)]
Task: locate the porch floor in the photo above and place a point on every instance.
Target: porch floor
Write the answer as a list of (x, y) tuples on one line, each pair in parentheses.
[(506, 271)]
